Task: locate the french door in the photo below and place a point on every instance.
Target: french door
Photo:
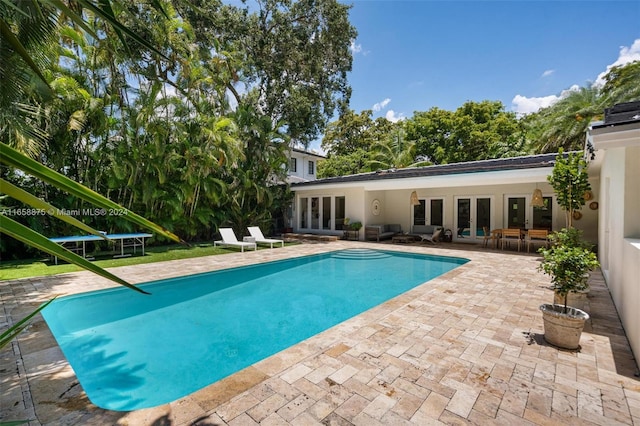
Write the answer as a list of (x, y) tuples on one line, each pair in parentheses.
[(472, 216), (520, 214), (430, 211), (324, 212)]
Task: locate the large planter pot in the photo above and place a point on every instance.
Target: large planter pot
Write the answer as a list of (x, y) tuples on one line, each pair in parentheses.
[(563, 329), (576, 299)]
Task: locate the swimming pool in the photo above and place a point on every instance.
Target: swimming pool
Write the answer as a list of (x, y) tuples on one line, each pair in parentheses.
[(132, 351)]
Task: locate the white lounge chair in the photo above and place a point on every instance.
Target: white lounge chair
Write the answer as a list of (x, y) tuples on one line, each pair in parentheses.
[(260, 238), (229, 239), (432, 238)]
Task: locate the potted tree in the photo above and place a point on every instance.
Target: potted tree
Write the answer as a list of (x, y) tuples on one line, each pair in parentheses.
[(570, 237), (569, 260), (568, 267)]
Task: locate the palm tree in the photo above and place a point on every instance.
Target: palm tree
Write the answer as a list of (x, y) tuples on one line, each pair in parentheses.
[(621, 84), (395, 152), (565, 123), (253, 190)]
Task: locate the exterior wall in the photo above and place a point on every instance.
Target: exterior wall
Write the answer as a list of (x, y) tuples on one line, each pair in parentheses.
[(395, 205), (619, 232), (632, 192), (302, 168), (354, 207)]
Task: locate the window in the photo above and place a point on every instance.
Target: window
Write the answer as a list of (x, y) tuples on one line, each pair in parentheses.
[(293, 165), (311, 167)]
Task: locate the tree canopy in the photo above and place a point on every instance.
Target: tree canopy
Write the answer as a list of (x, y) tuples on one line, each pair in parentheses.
[(192, 132), (288, 59), (357, 143)]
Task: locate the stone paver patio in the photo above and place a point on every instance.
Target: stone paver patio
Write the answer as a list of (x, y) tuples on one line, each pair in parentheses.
[(464, 348)]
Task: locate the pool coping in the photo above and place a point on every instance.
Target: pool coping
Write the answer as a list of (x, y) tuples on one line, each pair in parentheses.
[(328, 374)]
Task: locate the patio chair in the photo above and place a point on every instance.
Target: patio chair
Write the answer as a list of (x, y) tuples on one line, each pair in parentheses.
[(432, 238), (487, 236), (511, 234), (229, 239), (537, 236), (260, 238)]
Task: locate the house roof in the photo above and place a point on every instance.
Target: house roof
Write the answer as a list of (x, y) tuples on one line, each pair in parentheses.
[(308, 153), (619, 114), (620, 128), (501, 164)]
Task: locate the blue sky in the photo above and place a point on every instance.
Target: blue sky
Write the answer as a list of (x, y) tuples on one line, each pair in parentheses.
[(414, 55)]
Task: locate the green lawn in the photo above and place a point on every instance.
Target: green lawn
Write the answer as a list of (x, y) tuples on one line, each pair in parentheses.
[(10, 270)]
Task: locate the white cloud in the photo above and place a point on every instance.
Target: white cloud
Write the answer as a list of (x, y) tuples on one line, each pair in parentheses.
[(547, 73), (627, 54), (524, 105), (355, 48), (394, 117), (380, 105)]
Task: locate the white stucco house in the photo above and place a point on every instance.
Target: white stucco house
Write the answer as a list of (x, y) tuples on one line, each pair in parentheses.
[(303, 165), (467, 197), (462, 197), (616, 141)]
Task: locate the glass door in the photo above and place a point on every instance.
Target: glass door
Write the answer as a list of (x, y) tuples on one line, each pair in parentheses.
[(463, 218), (315, 213), (521, 215), (543, 216), (430, 211), (517, 212), (435, 211), (304, 213), (472, 215), (483, 217), (339, 213), (326, 212)]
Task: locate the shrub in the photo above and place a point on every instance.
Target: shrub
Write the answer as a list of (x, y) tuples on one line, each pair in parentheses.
[(568, 267)]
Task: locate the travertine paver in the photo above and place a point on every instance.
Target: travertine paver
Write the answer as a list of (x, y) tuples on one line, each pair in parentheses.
[(466, 347)]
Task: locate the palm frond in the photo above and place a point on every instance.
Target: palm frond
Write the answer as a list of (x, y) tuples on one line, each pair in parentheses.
[(13, 158)]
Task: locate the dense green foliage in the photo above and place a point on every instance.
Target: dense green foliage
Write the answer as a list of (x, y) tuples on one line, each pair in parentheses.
[(475, 131), (568, 262), (191, 134)]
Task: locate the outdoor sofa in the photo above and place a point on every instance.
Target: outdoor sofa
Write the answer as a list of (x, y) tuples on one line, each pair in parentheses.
[(381, 232)]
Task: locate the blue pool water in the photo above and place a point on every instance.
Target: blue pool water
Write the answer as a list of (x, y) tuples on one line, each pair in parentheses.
[(132, 351)]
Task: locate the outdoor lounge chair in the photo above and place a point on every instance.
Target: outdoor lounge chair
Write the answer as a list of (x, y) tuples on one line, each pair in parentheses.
[(260, 238), (432, 238), (229, 239)]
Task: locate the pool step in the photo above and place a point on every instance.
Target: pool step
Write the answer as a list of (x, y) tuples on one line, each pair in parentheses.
[(360, 254)]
